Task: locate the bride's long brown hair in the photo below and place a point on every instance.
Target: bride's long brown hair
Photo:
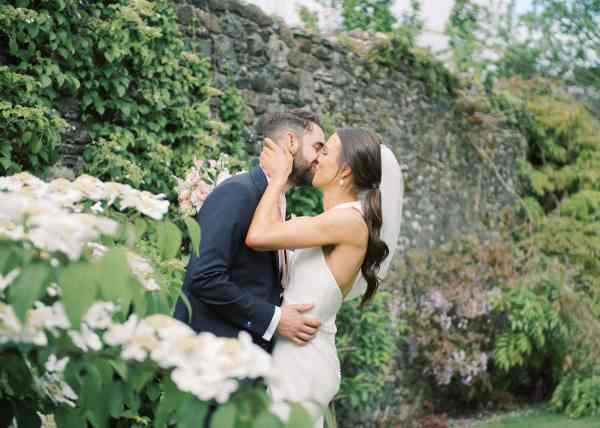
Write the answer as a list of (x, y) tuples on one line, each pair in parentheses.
[(361, 151)]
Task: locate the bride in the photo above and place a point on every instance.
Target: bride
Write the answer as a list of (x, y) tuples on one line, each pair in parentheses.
[(341, 254)]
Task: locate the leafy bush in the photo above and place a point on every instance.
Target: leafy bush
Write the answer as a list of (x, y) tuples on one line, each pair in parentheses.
[(144, 99), (400, 53), (31, 129), (366, 349), (85, 334), (448, 306)]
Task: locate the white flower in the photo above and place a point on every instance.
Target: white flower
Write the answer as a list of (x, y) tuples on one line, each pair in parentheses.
[(12, 231), (11, 329), (53, 386), (53, 290), (119, 334), (90, 186), (68, 233), (10, 184), (48, 317), (145, 202), (16, 182), (63, 192), (134, 351), (99, 316), (143, 271), (15, 207), (114, 190), (97, 208), (85, 339), (55, 365)]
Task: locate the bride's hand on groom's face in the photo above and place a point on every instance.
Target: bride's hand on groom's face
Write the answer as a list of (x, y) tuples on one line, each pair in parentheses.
[(276, 161), (298, 328)]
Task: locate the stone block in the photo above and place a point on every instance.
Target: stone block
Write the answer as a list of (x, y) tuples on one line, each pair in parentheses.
[(255, 44), (251, 12), (277, 51)]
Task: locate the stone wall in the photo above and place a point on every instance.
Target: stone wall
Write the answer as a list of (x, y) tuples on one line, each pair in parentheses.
[(450, 189)]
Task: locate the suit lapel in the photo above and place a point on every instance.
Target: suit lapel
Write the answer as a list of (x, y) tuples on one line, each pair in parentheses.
[(260, 182)]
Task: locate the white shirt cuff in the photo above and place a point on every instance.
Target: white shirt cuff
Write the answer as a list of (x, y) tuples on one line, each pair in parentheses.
[(273, 325)]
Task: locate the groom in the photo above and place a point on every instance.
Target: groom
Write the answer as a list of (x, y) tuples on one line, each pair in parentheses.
[(230, 287)]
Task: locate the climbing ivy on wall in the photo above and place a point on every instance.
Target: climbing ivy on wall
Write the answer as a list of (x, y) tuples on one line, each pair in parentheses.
[(143, 99)]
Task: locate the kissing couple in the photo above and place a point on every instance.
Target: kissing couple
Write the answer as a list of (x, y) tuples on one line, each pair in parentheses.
[(283, 281)]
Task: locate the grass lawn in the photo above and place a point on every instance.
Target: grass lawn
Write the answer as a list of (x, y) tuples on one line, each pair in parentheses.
[(537, 418)]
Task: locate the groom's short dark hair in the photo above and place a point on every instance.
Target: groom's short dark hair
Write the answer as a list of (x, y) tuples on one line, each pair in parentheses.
[(298, 120)]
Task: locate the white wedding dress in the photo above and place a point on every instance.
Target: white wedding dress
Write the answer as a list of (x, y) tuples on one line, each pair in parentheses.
[(309, 374)]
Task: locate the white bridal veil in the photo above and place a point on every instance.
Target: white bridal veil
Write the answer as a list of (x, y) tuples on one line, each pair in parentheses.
[(392, 193)]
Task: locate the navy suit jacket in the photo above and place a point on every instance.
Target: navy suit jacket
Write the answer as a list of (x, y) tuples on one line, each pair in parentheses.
[(230, 286)]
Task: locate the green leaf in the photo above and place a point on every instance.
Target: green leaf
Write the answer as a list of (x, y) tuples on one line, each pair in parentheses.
[(116, 397), (139, 376), (187, 304), (79, 290), (224, 417), (169, 402), (194, 230), (140, 227), (299, 417), (45, 81), (68, 418), (28, 287), (267, 420), (36, 145), (120, 367), (114, 278), (18, 376), (169, 239), (192, 413), (13, 47)]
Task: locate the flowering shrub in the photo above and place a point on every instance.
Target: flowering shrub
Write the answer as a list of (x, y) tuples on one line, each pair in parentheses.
[(85, 334), (449, 311), (199, 181)]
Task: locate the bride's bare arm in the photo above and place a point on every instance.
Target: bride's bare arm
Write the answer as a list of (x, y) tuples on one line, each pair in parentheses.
[(332, 227)]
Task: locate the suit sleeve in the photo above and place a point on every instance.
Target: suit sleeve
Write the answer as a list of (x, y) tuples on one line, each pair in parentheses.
[(224, 220)]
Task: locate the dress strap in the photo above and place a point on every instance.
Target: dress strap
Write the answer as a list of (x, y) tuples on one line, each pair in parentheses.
[(357, 205)]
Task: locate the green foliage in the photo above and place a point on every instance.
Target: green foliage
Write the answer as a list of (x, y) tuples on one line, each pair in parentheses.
[(564, 154), (304, 201), (370, 15), (448, 295), (552, 323), (461, 29), (309, 19), (570, 42), (411, 23), (31, 129), (578, 396), (233, 138), (583, 206), (144, 99), (366, 350), (533, 324), (400, 53), (98, 384)]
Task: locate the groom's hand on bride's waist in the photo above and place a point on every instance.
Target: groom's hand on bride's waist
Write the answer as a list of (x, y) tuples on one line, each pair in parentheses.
[(297, 327)]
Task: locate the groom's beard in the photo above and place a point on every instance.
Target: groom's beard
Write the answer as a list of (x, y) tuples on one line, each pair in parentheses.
[(302, 172)]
